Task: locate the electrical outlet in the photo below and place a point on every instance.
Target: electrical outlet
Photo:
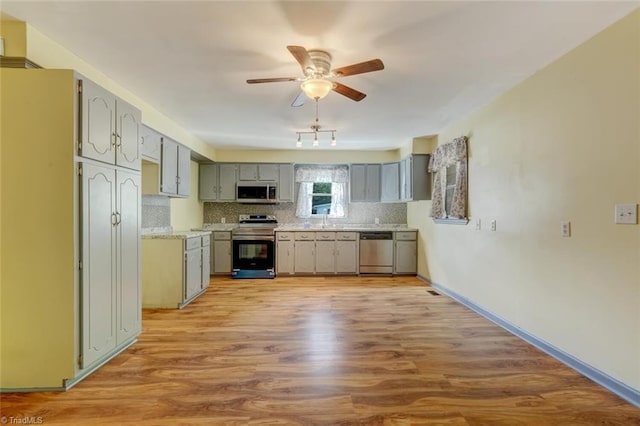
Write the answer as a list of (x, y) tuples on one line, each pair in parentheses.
[(493, 225), (478, 225), (627, 213), (565, 228)]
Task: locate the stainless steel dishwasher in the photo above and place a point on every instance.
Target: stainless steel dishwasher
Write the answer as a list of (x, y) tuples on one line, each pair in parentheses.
[(376, 252)]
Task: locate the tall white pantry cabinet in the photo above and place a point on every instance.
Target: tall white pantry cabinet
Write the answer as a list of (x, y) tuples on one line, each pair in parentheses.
[(70, 228)]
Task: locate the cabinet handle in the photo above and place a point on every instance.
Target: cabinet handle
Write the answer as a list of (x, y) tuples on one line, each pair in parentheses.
[(118, 140), (114, 219), (114, 137), (118, 218)]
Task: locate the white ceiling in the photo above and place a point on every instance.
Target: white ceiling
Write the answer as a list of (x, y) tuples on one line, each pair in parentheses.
[(442, 59)]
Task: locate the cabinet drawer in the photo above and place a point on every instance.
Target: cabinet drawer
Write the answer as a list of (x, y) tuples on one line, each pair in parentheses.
[(206, 240), (285, 236), (406, 236), (309, 236), (193, 243), (325, 236), (346, 236), (221, 235)]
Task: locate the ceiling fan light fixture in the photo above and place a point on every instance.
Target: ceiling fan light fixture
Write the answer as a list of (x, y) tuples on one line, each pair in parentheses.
[(316, 88)]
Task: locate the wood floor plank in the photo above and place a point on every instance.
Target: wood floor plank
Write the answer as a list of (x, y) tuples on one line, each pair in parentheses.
[(326, 351)]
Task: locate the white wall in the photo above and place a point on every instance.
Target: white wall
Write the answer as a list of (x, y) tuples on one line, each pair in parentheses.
[(563, 145)]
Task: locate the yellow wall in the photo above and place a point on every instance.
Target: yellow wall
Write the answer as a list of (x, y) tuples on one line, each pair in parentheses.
[(49, 54), (187, 213), (15, 38), (306, 156), (563, 145), (38, 238)]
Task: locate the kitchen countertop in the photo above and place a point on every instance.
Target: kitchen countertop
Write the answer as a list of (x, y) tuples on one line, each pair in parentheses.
[(292, 227), (175, 234), (217, 227)]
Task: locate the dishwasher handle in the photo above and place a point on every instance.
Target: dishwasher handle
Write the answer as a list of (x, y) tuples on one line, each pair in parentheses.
[(379, 235)]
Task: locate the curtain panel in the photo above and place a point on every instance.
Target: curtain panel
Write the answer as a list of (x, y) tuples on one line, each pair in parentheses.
[(338, 176), (449, 154)]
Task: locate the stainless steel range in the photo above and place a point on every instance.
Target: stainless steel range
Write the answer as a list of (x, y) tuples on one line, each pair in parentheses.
[(254, 246)]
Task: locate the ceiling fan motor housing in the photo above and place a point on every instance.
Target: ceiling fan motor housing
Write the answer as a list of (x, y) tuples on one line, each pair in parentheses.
[(322, 61)]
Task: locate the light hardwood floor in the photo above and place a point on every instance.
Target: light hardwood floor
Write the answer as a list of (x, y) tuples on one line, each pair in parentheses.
[(334, 351)]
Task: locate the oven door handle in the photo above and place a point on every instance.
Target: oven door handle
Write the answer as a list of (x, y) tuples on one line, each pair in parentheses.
[(253, 238)]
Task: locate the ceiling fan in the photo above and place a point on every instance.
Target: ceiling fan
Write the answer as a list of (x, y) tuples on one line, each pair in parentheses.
[(319, 77)]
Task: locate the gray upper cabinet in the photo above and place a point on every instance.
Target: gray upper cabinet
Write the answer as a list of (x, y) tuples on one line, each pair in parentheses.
[(110, 127), (184, 170), (390, 191), (175, 176), (169, 169), (285, 183), (365, 182), (208, 182), (415, 180), (217, 182), (258, 172), (150, 144), (227, 182)]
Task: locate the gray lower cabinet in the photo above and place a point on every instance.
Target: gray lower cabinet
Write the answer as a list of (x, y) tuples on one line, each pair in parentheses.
[(174, 270), (316, 252), (406, 253), (304, 253), (325, 253), (285, 253), (110, 235), (221, 253), (346, 252)]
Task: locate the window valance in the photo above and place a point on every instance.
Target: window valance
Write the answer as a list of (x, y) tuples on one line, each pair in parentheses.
[(322, 173)]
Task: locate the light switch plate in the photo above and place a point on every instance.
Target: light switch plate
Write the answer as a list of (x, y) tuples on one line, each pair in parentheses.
[(627, 213), (565, 228)]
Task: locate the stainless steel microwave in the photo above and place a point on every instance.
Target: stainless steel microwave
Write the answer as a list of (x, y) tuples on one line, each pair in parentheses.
[(257, 192)]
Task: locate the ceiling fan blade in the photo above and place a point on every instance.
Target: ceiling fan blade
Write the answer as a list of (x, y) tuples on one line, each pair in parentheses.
[(271, 80), (348, 92), (362, 67), (299, 100), (303, 58)]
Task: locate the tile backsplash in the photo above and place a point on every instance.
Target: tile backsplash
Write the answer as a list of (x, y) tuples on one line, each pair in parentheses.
[(395, 213), (156, 211)]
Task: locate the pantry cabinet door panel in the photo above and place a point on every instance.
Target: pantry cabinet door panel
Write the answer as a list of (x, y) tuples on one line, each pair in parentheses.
[(98, 284), (129, 299)]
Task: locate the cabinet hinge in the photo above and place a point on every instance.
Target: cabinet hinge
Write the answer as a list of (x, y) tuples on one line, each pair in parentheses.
[(80, 265), (80, 170), (79, 86), (80, 360)]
